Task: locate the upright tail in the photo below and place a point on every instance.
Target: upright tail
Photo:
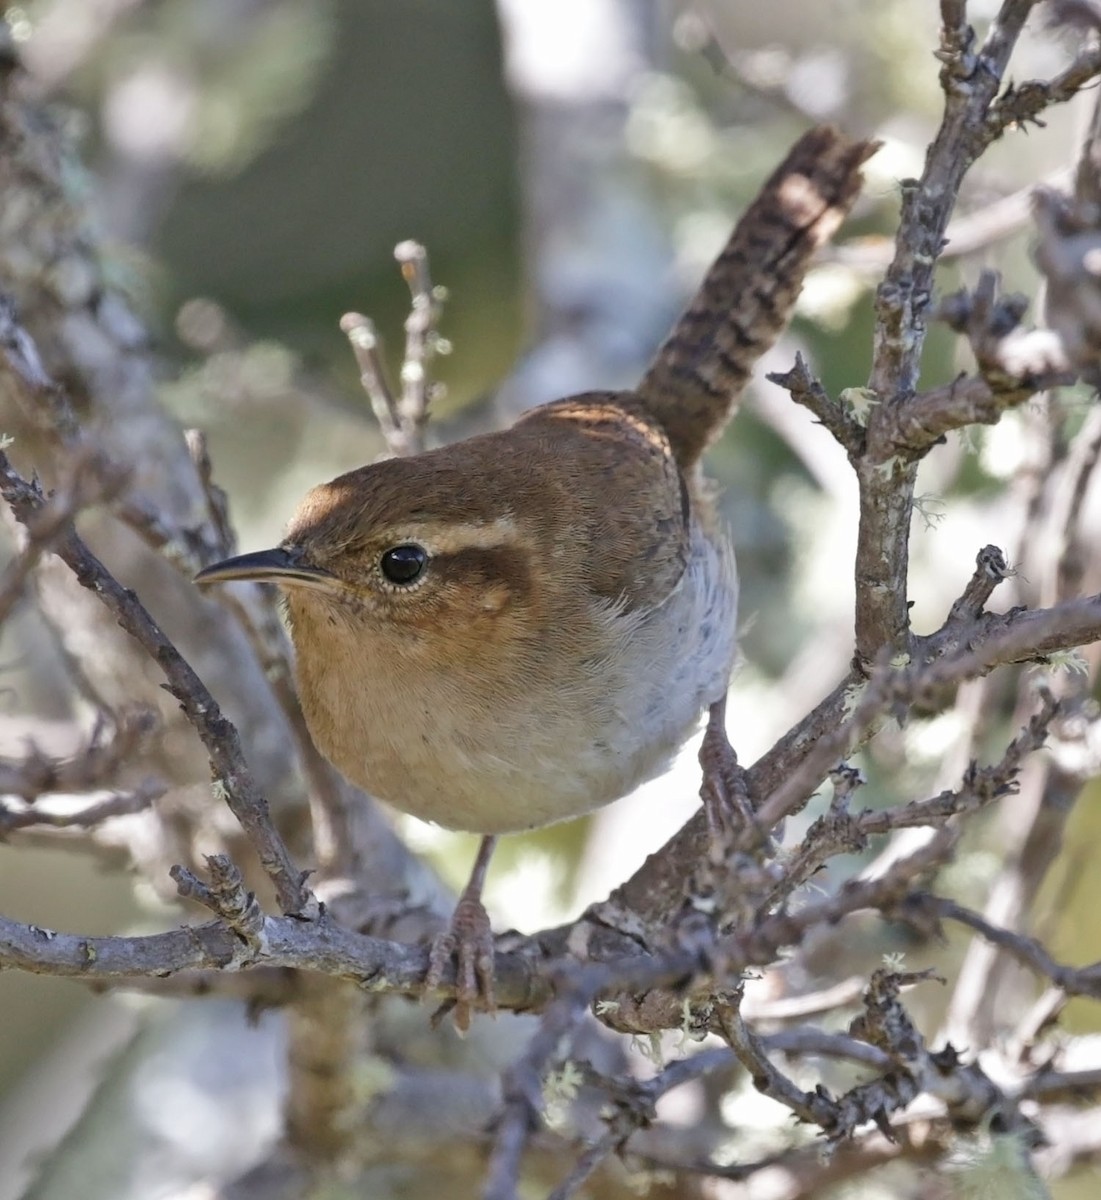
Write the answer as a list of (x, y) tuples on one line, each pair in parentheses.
[(748, 295)]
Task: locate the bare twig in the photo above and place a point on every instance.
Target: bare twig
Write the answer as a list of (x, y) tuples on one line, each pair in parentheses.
[(1037, 363), (990, 570), (1017, 636), (367, 347), (806, 1041), (1075, 981), (285, 942), (808, 391), (632, 1107), (522, 1088), (109, 745), (808, 1106), (91, 815), (402, 418), (226, 897), (216, 733), (810, 1004), (841, 831), (1023, 104), (217, 502), (422, 342), (981, 785), (84, 480), (970, 81)]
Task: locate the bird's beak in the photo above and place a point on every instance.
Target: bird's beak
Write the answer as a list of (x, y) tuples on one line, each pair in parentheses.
[(267, 566)]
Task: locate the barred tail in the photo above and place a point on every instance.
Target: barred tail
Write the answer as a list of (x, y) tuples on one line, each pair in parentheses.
[(748, 295)]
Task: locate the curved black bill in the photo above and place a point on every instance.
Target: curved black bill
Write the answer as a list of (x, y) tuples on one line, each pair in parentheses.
[(265, 566)]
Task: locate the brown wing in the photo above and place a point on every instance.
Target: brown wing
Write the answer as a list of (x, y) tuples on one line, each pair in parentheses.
[(616, 477)]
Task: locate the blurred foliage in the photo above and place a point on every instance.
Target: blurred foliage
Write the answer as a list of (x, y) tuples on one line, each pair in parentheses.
[(278, 150), (209, 87)]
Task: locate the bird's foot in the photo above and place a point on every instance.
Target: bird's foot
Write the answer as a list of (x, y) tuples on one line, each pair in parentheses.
[(724, 791), (468, 941)]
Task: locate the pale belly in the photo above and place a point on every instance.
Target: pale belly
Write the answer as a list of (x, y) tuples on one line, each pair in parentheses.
[(551, 749)]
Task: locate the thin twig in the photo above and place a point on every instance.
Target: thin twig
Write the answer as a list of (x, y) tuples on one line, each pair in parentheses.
[(1022, 104), (1075, 981), (970, 82), (367, 347), (227, 897), (84, 480), (981, 785), (632, 1107), (402, 418), (219, 736), (111, 742), (422, 343), (809, 1004), (88, 817), (1017, 636), (522, 1084), (765, 1075), (808, 391)]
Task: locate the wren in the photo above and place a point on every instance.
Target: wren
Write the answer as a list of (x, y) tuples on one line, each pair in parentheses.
[(521, 627)]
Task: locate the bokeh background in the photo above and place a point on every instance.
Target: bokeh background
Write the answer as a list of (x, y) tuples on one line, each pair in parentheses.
[(571, 167)]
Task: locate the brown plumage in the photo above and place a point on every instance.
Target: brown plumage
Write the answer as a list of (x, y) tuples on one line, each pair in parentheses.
[(747, 296), (521, 627), (455, 696)]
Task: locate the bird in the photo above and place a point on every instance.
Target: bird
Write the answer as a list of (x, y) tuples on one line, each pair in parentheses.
[(518, 628)]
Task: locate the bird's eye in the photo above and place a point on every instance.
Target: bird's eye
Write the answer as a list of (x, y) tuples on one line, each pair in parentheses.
[(403, 564)]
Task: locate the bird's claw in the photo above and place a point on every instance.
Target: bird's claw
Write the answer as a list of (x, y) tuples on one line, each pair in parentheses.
[(468, 942), (725, 796)]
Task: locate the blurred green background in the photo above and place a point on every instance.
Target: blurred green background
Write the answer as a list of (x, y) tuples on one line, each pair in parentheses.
[(251, 166)]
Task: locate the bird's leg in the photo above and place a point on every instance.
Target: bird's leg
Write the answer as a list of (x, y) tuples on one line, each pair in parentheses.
[(725, 797), (469, 940)]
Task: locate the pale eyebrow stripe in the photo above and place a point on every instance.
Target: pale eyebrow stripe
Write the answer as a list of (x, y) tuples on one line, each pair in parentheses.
[(441, 537)]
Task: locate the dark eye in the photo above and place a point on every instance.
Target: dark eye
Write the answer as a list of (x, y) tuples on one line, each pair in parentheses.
[(403, 564)]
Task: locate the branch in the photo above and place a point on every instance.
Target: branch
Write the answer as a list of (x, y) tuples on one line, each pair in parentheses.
[(1075, 981), (970, 82), (1016, 636), (35, 773), (402, 419), (1034, 364), (810, 1107), (216, 732), (981, 785), (1022, 105), (85, 479), (787, 774), (808, 391), (227, 897), (319, 945), (91, 815), (522, 1086), (631, 1107)]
